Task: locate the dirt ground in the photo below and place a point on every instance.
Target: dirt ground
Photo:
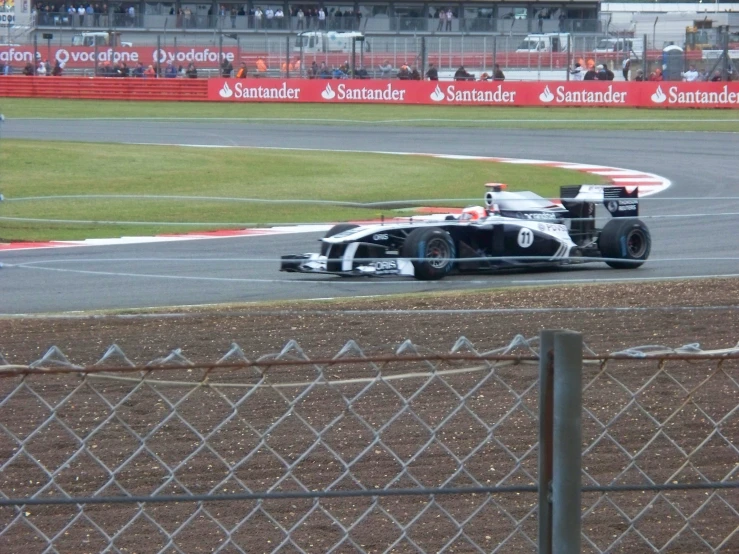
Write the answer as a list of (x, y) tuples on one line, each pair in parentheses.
[(644, 423)]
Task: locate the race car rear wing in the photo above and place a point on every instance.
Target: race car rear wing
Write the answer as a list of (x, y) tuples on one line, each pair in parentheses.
[(619, 201), (580, 202)]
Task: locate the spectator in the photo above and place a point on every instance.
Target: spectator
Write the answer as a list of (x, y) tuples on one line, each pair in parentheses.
[(639, 75), (41, 69), (590, 74), (691, 74), (361, 73), (576, 73), (313, 72), (301, 19), (441, 14), (324, 73), (181, 71), (404, 73), (415, 75), (625, 67), (191, 72), (656, 75), (121, 70), (139, 70), (241, 73), (449, 18), (321, 18), (233, 17), (261, 66), (226, 67), (150, 73), (716, 76), (498, 74), (484, 77), (386, 69), (337, 73), (562, 20), (29, 70), (462, 75), (171, 71), (258, 18), (432, 74), (608, 72)]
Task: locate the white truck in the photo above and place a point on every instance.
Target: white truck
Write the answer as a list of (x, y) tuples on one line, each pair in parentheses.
[(627, 46), (545, 42), (102, 38), (318, 42)]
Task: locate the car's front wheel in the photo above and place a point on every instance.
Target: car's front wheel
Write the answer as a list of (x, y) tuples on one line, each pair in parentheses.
[(431, 251)]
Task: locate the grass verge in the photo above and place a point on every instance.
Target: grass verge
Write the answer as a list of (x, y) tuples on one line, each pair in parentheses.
[(165, 189), (426, 116)]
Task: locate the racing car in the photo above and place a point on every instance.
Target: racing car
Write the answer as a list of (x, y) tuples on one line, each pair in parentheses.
[(512, 229)]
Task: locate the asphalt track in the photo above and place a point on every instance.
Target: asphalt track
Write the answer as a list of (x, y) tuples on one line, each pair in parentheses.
[(691, 238)]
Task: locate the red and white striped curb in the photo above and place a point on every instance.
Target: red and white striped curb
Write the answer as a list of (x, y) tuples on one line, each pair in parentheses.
[(648, 183)]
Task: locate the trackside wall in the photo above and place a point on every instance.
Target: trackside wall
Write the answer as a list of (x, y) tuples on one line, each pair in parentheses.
[(573, 94)]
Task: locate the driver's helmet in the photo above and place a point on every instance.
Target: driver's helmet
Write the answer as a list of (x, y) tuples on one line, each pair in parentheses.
[(473, 213)]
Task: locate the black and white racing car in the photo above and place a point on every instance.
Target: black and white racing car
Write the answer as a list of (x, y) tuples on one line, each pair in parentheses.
[(513, 229)]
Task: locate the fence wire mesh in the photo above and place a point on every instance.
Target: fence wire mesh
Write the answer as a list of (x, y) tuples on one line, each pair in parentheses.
[(412, 452)]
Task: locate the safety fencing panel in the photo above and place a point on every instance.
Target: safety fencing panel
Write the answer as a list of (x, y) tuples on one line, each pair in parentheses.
[(522, 55), (360, 452)]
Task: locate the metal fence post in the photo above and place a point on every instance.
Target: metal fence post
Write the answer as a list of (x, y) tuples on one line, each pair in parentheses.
[(567, 459), (546, 402)]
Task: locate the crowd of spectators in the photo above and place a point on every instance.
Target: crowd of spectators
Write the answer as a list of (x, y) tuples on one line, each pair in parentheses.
[(86, 14)]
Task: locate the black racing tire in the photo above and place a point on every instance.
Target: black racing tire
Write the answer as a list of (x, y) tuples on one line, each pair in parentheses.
[(335, 230), (432, 252), (626, 242)]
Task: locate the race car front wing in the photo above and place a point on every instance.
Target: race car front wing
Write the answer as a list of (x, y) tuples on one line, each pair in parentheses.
[(317, 263)]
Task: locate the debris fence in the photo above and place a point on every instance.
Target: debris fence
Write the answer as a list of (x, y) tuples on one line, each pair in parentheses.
[(417, 451)]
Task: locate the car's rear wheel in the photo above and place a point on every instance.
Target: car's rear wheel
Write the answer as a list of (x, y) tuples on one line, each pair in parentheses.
[(431, 251), (625, 243), (335, 230)]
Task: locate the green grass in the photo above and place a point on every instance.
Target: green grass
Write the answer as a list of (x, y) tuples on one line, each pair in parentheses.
[(427, 116), (95, 179)]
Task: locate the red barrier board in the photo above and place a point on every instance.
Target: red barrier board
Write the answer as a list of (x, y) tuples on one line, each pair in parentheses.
[(489, 93)]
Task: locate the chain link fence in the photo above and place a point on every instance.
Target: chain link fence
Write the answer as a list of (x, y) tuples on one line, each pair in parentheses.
[(416, 451)]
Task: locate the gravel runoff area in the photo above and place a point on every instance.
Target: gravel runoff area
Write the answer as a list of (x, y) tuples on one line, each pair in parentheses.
[(636, 449)]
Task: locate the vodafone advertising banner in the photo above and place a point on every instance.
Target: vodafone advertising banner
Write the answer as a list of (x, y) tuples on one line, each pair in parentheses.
[(85, 56), (488, 93)]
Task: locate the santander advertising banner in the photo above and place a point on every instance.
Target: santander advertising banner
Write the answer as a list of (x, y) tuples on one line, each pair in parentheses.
[(488, 93)]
